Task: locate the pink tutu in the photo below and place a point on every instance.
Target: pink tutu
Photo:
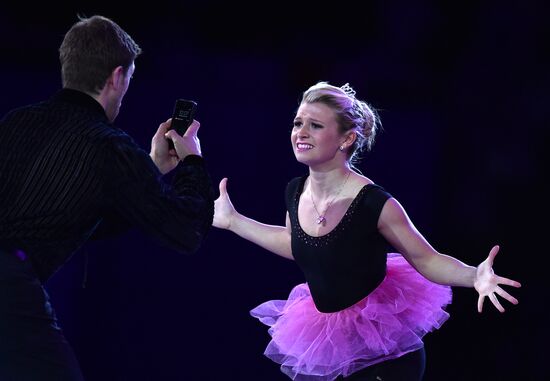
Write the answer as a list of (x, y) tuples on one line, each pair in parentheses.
[(391, 321)]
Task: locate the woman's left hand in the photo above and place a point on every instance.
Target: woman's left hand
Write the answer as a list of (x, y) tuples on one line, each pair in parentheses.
[(487, 283)]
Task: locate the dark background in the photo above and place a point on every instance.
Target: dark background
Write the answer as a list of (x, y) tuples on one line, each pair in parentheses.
[(462, 89)]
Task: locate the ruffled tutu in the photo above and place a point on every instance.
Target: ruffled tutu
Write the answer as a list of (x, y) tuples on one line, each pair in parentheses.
[(388, 323)]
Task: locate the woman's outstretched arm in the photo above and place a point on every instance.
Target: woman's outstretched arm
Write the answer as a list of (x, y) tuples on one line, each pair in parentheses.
[(398, 229), (271, 237)]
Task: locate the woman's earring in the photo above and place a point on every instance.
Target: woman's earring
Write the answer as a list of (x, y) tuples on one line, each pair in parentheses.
[(341, 148)]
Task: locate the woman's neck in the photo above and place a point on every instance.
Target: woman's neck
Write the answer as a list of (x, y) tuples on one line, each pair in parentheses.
[(325, 184)]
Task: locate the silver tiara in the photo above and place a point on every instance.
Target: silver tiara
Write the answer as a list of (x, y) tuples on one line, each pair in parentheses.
[(348, 90)]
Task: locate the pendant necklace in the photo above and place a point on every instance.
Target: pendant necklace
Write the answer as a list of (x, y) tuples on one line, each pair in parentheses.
[(321, 218)]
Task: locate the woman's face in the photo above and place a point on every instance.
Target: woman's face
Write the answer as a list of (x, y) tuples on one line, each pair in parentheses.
[(315, 136)]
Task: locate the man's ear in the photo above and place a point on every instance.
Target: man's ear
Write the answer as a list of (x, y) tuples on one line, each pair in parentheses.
[(116, 79)]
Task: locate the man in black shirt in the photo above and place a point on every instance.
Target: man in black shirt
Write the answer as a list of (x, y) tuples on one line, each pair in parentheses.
[(67, 173)]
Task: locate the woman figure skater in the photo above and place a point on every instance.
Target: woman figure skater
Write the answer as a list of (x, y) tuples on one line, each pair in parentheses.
[(362, 312)]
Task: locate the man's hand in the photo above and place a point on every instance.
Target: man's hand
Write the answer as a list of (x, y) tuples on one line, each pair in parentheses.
[(167, 159)]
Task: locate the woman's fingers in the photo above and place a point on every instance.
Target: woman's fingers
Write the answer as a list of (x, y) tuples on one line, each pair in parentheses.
[(495, 301), (506, 295)]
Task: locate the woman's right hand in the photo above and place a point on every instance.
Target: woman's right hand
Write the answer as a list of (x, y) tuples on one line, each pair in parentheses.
[(224, 211)]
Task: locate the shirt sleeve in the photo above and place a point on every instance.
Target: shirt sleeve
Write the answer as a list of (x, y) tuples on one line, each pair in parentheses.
[(178, 215), (374, 201), (290, 192)]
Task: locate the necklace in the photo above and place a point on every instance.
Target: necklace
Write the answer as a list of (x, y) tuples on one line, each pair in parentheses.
[(321, 218)]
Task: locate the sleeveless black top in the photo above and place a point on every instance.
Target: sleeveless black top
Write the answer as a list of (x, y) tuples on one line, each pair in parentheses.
[(348, 263)]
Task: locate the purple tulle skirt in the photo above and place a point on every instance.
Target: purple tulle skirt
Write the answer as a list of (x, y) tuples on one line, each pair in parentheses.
[(388, 323)]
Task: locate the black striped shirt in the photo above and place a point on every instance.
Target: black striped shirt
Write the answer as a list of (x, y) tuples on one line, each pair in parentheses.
[(66, 172)]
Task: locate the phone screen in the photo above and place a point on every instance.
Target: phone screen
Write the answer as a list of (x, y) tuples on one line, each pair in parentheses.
[(184, 112)]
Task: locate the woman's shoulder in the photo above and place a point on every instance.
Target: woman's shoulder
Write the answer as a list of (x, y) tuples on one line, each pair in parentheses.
[(362, 181), (293, 187), (372, 194), (296, 182)]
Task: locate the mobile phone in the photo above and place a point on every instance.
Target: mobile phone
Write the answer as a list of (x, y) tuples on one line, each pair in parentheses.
[(184, 112)]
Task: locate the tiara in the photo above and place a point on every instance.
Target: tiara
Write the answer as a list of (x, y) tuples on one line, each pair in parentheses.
[(348, 90)]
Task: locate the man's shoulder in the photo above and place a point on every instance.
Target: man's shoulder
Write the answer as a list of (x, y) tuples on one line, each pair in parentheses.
[(21, 111)]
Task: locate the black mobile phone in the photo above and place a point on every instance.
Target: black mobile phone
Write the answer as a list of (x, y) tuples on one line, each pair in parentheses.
[(184, 112)]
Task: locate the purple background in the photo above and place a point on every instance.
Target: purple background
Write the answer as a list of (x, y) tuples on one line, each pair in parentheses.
[(463, 93)]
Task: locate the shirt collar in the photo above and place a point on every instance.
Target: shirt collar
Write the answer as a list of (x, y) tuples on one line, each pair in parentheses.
[(81, 99)]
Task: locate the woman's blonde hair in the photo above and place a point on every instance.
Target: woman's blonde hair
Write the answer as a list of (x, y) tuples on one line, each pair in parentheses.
[(352, 114)]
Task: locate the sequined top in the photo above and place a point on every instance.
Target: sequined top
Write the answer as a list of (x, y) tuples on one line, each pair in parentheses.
[(348, 263)]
